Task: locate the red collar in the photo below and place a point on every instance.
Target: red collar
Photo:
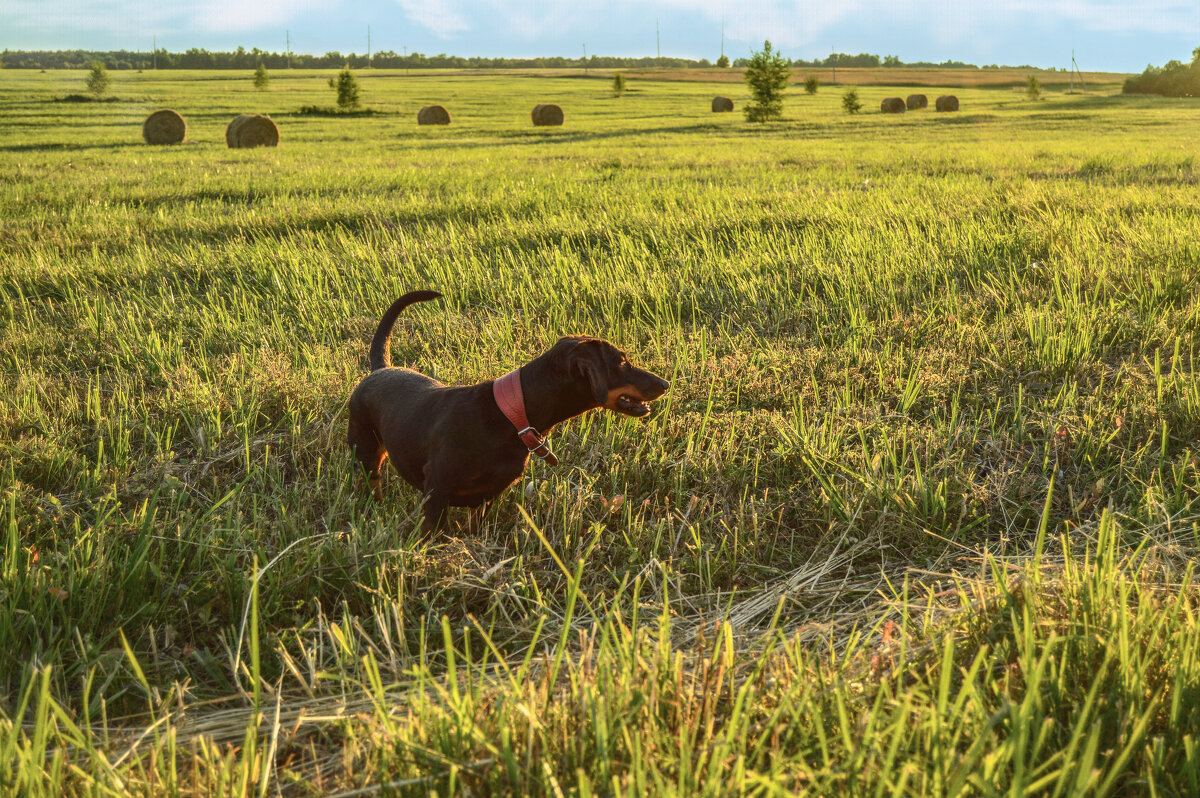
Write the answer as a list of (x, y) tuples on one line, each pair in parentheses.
[(511, 401)]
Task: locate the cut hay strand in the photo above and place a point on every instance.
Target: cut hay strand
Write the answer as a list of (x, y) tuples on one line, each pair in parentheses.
[(546, 115), (916, 101), (892, 105), (722, 105), (433, 115), (947, 102), (252, 130), (164, 127)]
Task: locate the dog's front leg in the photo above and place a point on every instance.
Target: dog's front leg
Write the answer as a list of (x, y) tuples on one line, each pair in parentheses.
[(437, 504)]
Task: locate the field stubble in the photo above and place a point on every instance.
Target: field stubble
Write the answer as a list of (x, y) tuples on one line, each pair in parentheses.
[(918, 514)]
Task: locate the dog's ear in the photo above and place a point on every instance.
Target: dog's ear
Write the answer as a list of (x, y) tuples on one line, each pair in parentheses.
[(587, 363)]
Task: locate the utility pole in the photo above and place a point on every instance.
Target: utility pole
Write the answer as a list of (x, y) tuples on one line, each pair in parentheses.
[(658, 38), (722, 37), (833, 58), (585, 63), (156, 52), (289, 48), (368, 45)]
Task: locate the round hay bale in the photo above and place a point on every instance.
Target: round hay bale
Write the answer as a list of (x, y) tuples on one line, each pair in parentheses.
[(947, 102), (433, 115), (916, 101), (722, 105), (547, 114), (892, 105), (164, 127), (252, 130), (232, 127)]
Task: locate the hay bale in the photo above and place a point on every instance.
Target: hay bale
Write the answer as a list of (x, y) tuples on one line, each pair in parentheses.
[(892, 105), (164, 127), (232, 127), (916, 101), (433, 115), (947, 102), (721, 105), (252, 130), (547, 114)]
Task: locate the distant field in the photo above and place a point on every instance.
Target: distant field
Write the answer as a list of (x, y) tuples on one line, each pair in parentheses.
[(919, 515), (1103, 82)]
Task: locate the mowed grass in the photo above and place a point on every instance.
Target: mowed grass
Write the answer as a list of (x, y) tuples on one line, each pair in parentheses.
[(918, 515)]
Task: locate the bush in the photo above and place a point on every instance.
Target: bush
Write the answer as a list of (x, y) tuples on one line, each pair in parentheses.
[(767, 74), (850, 101), (1173, 79), (261, 78), (1033, 89), (723, 62), (810, 84), (618, 84), (98, 80), (347, 89)]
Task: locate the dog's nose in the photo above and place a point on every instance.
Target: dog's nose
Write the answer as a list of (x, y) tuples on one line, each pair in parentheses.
[(659, 386)]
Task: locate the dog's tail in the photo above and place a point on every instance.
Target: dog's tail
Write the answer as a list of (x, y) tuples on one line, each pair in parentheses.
[(381, 356)]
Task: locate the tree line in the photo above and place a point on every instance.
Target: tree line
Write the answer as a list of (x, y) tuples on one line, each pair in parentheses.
[(1172, 79), (199, 58)]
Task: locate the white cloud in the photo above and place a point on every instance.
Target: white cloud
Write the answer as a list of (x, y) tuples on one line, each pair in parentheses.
[(442, 17), (238, 16), (786, 23), (111, 16), (959, 28), (1142, 16), (143, 18)]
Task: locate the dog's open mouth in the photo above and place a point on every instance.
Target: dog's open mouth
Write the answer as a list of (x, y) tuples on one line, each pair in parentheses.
[(632, 407)]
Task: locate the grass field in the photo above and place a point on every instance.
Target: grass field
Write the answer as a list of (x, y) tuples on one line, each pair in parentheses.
[(919, 77), (917, 517)]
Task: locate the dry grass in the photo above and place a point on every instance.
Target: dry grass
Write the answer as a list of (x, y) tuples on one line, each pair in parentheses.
[(546, 115), (433, 115), (164, 127), (247, 131)]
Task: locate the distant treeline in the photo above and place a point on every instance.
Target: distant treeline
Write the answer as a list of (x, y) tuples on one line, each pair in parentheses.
[(197, 58), (1173, 79), (870, 60)]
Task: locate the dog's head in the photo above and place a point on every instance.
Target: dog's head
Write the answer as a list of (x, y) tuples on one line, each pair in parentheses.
[(607, 375)]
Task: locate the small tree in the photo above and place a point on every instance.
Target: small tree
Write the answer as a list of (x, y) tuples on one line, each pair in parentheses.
[(767, 74), (1033, 89), (723, 61), (261, 78), (98, 80), (347, 89), (618, 84), (811, 83), (850, 101)]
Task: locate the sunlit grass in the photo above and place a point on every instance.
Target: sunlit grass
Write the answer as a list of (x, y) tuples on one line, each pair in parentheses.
[(917, 515)]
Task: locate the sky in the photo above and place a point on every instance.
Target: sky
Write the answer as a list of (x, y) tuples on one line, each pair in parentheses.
[(1106, 35)]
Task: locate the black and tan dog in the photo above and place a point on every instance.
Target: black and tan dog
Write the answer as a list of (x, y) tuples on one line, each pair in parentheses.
[(462, 445)]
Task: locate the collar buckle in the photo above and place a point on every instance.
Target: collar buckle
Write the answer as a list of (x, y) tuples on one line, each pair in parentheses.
[(537, 445)]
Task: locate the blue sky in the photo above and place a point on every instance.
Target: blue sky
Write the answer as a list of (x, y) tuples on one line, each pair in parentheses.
[(1118, 35)]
